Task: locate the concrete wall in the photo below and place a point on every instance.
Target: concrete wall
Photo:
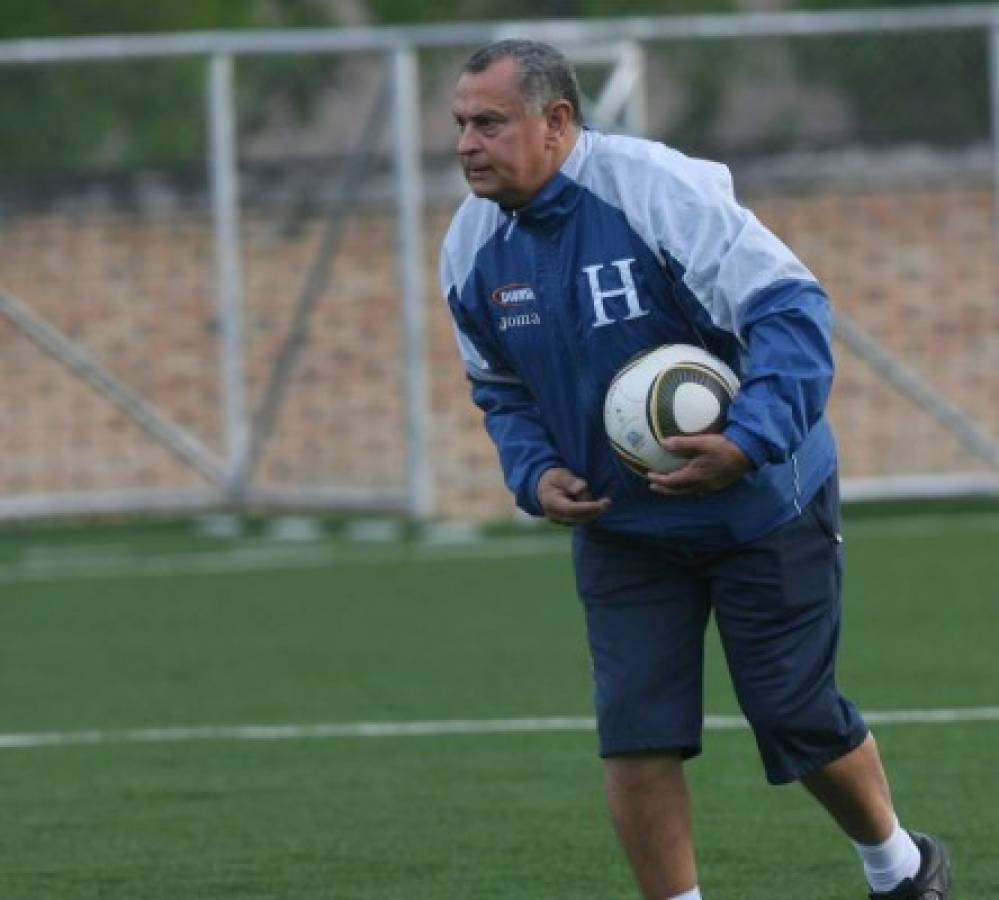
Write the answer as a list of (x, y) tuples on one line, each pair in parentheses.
[(916, 267)]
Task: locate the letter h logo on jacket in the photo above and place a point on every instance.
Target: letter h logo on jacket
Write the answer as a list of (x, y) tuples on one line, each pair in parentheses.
[(627, 290)]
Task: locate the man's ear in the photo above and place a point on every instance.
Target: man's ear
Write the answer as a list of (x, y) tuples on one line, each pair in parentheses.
[(558, 120)]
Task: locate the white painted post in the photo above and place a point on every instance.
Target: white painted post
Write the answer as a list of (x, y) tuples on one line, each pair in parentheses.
[(994, 95), (223, 169), (409, 253)]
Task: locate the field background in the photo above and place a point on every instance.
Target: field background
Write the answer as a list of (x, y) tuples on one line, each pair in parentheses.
[(182, 703), (112, 628)]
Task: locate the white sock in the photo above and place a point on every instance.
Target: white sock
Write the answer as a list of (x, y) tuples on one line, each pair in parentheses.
[(885, 865), (693, 894)]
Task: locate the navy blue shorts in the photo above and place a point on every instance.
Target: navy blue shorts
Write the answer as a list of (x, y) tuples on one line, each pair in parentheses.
[(776, 601)]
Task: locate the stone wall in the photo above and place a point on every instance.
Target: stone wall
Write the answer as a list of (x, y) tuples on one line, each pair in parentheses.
[(917, 268)]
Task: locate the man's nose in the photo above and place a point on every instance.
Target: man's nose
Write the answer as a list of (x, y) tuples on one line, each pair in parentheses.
[(467, 141)]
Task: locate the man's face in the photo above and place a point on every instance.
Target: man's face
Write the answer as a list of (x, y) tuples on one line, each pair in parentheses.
[(506, 149)]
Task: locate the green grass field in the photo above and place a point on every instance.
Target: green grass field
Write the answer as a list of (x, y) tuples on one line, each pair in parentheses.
[(111, 630)]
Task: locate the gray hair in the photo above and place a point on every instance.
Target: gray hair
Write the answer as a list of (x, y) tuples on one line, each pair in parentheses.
[(545, 73)]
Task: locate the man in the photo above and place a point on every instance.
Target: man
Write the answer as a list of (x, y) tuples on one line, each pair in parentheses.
[(576, 251)]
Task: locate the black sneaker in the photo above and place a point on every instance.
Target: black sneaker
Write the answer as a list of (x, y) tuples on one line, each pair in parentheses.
[(932, 881)]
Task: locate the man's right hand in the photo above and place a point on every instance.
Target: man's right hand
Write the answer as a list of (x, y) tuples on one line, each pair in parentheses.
[(565, 498)]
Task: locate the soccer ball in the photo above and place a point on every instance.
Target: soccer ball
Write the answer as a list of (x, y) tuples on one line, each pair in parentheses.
[(676, 389)]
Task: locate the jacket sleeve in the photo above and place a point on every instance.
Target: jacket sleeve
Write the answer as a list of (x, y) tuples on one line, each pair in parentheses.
[(788, 371), (512, 417), (753, 286)]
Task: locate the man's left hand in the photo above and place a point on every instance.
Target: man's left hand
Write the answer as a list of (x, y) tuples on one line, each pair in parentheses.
[(714, 462)]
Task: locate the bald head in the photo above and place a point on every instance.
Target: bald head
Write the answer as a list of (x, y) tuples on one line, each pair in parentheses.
[(544, 74)]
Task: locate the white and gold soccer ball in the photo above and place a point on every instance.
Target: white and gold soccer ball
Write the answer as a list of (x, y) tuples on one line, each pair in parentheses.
[(676, 389)]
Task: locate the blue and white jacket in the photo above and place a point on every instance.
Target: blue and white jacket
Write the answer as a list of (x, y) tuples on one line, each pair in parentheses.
[(629, 246)]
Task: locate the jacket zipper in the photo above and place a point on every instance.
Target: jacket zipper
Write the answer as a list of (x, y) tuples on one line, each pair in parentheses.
[(559, 304)]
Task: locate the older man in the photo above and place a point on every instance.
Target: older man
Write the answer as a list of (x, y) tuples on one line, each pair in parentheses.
[(575, 251)]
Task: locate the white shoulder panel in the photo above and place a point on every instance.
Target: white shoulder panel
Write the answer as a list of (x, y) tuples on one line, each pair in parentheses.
[(475, 222), (686, 208)]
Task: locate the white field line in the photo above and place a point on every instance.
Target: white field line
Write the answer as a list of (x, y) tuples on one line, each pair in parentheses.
[(332, 730), (73, 563), (920, 525), (267, 557)]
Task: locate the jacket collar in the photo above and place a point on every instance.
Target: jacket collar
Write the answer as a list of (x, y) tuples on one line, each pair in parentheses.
[(559, 195)]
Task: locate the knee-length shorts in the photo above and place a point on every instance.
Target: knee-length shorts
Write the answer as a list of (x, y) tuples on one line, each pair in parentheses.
[(776, 602)]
